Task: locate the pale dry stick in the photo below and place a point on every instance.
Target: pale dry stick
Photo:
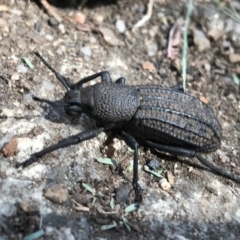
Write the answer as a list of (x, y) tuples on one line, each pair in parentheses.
[(80, 207), (185, 43), (145, 17), (50, 10)]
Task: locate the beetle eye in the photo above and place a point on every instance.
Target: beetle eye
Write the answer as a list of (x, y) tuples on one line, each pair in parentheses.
[(72, 95)]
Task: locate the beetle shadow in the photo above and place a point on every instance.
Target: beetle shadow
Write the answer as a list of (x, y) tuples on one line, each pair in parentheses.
[(54, 111), (74, 4)]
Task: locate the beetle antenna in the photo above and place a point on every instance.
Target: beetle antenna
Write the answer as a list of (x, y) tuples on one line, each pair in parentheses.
[(60, 77)]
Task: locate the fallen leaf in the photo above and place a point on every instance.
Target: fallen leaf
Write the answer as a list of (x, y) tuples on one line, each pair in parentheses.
[(203, 99), (174, 40), (35, 37), (177, 63), (234, 58), (148, 66), (110, 37), (83, 27), (170, 177)]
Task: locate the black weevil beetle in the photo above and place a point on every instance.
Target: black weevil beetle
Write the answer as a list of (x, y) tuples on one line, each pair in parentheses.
[(168, 120)]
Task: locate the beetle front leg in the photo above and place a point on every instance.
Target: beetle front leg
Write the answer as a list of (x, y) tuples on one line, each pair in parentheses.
[(178, 88), (72, 140), (121, 80), (105, 77), (131, 142)]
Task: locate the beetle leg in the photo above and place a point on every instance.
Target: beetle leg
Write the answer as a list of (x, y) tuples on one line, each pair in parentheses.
[(105, 77), (121, 80), (178, 88), (190, 153), (75, 139), (173, 150), (131, 142), (217, 170), (42, 100)]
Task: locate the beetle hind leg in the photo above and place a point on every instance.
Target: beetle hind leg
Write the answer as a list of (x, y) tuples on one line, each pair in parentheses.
[(191, 153)]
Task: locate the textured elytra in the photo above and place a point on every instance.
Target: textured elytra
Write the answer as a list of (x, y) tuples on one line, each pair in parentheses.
[(176, 119)]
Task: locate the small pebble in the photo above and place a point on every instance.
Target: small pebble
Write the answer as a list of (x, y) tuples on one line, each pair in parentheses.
[(152, 49), (154, 164), (38, 25), (61, 50), (80, 18), (120, 25), (15, 76), (22, 69), (56, 193), (165, 185), (86, 51), (49, 37), (53, 22), (24, 206), (98, 18), (26, 86), (207, 67), (61, 28), (201, 41), (122, 193)]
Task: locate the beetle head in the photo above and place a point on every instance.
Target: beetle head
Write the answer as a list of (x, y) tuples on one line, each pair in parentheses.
[(72, 100)]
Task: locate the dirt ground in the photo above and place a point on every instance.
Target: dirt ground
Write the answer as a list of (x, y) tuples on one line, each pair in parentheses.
[(49, 198)]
